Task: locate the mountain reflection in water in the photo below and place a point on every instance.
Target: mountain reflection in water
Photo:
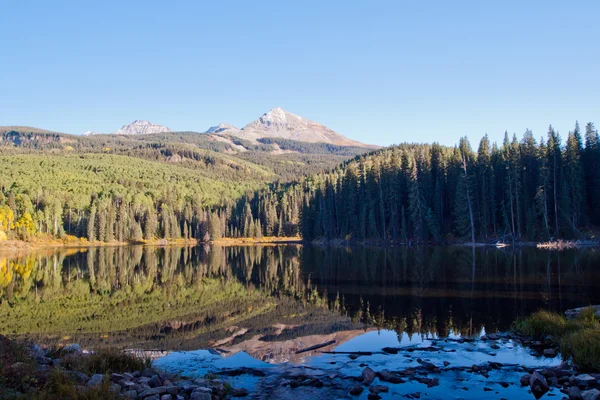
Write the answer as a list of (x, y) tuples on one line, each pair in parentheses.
[(271, 301)]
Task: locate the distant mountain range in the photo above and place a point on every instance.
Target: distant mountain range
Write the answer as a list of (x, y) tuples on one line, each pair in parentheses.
[(277, 123)]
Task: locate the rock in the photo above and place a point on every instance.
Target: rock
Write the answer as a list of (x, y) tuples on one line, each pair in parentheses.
[(117, 378), (585, 380), (241, 392), (356, 390), (426, 364), (368, 376), (493, 336), (203, 390), (159, 391), (148, 373), (550, 352), (574, 393), (115, 388), (390, 350), (200, 396), (387, 376), (379, 389), (574, 312), (504, 384), (353, 356), (433, 382), (188, 388), (130, 395), (155, 381), (495, 346), (42, 360), (79, 377), (525, 380), (446, 363), (72, 349), (166, 397), (592, 394), (373, 396), (538, 385), (95, 380)]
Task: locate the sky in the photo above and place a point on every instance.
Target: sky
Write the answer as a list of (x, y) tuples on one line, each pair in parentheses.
[(380, 72)]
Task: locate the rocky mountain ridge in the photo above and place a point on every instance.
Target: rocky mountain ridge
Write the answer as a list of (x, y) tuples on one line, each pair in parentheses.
[(279, 123)]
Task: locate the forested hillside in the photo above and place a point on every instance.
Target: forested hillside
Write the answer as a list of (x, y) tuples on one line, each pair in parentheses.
[(525, 190), (117, 188)]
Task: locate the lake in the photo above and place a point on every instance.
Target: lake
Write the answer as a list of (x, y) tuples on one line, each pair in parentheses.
[(175, 298), (197, 308)]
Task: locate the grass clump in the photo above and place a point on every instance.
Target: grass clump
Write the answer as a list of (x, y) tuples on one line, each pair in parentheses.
[(62, 387), (577, 338), (106, 362), (584, 347)]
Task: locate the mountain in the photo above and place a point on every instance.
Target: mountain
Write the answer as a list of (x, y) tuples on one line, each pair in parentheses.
[(279, 123), (140, 127), (137, 127), (221, 127)]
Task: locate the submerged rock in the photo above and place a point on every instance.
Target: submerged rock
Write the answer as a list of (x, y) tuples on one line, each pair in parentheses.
[(356, 390), (387, 376), (379, 389), (368, 376)]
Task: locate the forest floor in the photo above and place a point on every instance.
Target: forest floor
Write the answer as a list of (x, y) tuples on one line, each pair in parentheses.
[(42, 242), (260, 240)]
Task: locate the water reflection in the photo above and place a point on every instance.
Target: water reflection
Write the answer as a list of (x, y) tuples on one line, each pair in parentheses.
[(190, 297)]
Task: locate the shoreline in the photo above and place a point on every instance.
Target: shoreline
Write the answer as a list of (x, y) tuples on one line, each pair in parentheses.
[(75, 243), (426, 370)]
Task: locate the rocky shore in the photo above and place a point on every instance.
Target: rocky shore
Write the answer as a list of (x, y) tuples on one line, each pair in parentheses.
[(428, 370)]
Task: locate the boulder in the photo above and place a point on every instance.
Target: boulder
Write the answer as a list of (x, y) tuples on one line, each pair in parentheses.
[(585, 381), (356, 390), (574, 393), (538, 384), (592, 394), (95, 380), (368, 376), (387, 376), (379, 389), (426, 364), (200, 396), (129, 395), (155, 381)]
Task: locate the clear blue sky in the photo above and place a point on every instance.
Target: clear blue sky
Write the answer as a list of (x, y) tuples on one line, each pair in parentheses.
[(378, 72)]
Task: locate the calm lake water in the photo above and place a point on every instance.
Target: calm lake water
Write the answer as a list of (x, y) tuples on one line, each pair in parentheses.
[(189, 298)]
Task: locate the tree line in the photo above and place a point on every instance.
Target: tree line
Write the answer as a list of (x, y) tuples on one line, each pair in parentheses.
[(526, 190)]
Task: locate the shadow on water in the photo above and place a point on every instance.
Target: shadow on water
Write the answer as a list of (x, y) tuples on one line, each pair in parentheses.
[(196, 297)]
